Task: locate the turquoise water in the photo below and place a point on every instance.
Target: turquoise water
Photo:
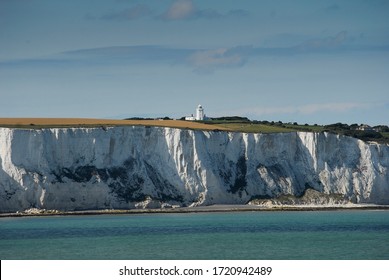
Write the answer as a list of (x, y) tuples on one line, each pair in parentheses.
[(234, 235)]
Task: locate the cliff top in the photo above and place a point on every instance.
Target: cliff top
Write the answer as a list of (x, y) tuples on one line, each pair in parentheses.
[(84, 122), (245, 126)]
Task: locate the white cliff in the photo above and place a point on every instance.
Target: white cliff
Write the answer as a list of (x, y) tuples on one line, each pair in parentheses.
[(136, 166)]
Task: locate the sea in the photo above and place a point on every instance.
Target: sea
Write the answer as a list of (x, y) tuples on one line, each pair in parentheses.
[(257, 235)]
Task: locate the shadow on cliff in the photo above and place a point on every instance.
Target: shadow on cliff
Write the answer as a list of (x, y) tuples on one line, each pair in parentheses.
[(139, 178), (284, 168), (13, 197)]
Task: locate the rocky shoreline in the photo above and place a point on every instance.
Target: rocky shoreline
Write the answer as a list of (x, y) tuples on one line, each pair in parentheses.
[(199, 209)]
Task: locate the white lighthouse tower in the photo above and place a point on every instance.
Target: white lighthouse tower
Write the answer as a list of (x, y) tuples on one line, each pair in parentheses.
[(199, 113)]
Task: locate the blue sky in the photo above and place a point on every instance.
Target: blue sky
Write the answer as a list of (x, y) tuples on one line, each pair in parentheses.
[(306, 61)]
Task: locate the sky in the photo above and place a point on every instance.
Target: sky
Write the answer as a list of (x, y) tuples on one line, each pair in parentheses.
[(315, 62)]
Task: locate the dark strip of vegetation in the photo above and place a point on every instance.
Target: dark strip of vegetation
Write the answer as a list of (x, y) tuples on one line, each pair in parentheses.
[(229, 119), (147, 119), (362, 132)]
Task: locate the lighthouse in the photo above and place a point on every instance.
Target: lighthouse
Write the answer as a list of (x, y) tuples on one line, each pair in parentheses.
[(199, 113), (199, 116)]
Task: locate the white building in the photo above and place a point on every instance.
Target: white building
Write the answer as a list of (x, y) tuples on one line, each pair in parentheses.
[(200, 115), (190, 118), (365, 127)]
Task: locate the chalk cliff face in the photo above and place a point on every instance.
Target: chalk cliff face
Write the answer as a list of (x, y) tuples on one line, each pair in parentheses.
[(132, 167)]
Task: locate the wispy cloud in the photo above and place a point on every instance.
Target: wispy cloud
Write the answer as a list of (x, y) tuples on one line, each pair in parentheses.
[(180, 9), (213, 14), (185, 9), (135, 12), (130, 54), (200, 60), (208, 60), (321, 44)]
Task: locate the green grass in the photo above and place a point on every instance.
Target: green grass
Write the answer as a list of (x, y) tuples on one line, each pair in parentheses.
[(255, 128), (309, 128), (385, 134)]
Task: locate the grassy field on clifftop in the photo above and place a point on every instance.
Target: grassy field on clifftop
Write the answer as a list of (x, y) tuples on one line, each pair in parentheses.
[(36, 123)]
